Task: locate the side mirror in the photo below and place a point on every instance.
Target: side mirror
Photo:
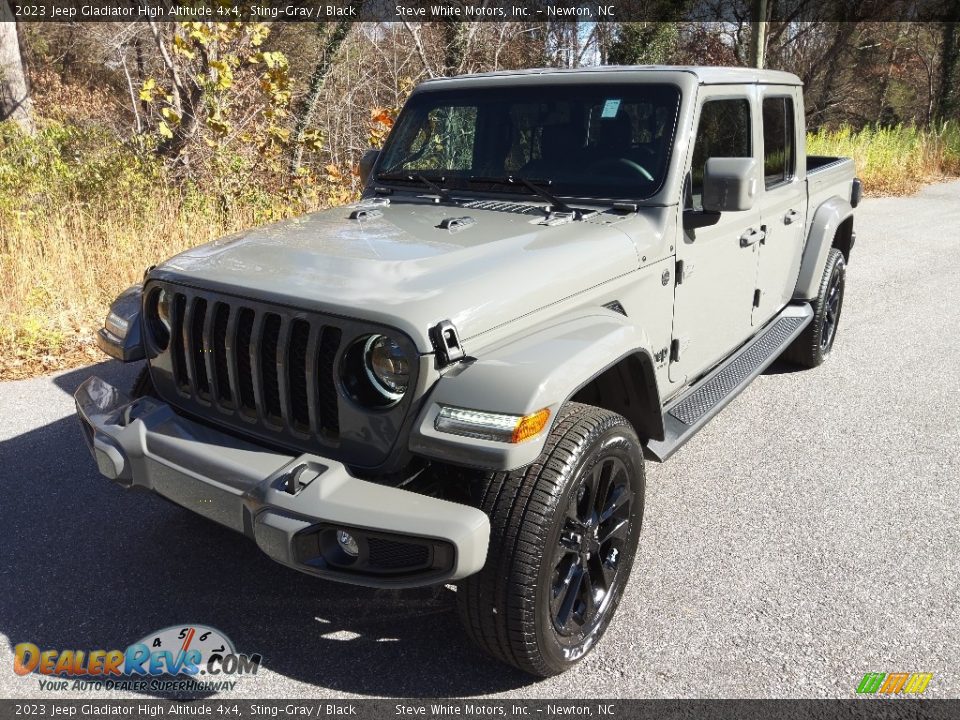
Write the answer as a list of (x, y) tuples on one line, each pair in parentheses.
[(729, 184), (367, 161)]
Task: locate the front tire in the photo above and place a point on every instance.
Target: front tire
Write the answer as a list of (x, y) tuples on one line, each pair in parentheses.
[(564, 533)]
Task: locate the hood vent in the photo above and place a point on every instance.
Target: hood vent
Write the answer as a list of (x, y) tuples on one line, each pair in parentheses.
[(500, 206), (456, 224), (365, 214)]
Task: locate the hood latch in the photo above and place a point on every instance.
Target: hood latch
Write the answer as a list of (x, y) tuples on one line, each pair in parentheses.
[(446, 343)]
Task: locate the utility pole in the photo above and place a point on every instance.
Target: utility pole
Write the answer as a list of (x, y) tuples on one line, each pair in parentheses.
[(758, 36)]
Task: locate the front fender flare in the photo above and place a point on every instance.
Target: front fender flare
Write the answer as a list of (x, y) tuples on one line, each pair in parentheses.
[(539, 369), (126, 307)]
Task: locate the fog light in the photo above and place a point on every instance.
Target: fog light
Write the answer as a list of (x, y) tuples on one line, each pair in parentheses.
[(347, 543)]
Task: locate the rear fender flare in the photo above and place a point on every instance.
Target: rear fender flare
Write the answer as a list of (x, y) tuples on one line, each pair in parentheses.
[(826, 221)]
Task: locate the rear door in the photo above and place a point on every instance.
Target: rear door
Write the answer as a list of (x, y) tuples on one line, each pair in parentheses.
[(715, 290), (783, 202)]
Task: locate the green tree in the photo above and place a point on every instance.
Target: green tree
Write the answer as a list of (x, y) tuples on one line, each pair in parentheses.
[(643, 43), (329, 41)]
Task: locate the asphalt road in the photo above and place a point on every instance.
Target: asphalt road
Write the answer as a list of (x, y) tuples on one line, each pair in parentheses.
[(808, 535)]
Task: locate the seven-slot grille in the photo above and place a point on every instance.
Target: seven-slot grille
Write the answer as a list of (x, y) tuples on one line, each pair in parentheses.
[(269, 366)]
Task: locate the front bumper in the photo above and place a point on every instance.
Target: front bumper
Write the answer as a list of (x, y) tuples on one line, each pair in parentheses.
[(291, 506)]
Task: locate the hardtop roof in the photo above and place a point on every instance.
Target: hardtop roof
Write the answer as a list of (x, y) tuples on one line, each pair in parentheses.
[(705, 75)]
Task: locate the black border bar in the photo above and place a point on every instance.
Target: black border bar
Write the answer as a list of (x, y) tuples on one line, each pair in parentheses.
[(529, 11), (225, 706)]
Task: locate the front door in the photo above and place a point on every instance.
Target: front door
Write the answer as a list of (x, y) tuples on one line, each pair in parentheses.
[(714, 296), (783, 205)]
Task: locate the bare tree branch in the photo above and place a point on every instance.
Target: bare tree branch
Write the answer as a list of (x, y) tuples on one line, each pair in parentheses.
[(418, 43)]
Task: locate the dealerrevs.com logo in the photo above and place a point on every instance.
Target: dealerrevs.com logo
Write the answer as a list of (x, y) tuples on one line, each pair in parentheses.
[(894, 683), (180, 658)]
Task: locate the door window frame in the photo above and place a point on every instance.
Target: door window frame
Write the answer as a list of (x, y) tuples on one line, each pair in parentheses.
[(703, 100), (790, 172)]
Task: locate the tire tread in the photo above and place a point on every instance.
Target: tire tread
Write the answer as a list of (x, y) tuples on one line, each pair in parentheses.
[(805, 350), (497, 605)]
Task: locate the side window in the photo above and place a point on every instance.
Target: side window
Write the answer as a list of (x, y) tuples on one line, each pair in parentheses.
[(724, 131), (779, 158)]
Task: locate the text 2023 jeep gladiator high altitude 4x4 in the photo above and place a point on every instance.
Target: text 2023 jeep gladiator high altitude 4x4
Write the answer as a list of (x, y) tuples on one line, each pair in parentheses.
[(550, 275)]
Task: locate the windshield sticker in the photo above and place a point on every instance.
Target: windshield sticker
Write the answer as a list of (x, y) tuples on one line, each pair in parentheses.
[(610, 108)]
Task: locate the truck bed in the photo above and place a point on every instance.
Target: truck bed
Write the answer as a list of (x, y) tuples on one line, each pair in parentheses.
[(826, 177)]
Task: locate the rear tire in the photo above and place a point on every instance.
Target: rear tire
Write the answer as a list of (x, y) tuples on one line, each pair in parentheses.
[(564, 532), (813, 346)]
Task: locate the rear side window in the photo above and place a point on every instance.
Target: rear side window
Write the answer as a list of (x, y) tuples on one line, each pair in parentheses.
[(779, 158), (724, 131)]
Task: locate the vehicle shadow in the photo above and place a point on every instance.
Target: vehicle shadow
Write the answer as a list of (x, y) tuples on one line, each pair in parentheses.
[(783, 367), (88, 565)]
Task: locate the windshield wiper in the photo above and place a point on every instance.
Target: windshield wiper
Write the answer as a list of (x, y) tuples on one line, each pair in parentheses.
[(422, 179), (534, 186)]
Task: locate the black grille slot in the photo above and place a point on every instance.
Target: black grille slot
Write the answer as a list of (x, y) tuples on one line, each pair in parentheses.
[(329, 410), (297, 359), (263, 368), (244, 368), (221, 315), (176, 342), (269, 344), (392, 555), (197, 354)]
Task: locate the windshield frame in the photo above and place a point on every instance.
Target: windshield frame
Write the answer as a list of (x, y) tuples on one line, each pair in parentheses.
[(464, 95)]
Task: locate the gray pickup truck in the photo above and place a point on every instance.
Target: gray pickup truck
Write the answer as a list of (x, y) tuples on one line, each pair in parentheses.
[(550, 276)]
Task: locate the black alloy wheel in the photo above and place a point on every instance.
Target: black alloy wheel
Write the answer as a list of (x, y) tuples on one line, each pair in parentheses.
[(834, 304), (587, 557)]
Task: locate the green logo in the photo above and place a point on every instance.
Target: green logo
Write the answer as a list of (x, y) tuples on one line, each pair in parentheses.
[(894, 683)]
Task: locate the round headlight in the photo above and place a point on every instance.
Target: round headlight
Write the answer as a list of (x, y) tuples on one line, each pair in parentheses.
[(159, 312), (376, 370), (387, 366), (164, 303)]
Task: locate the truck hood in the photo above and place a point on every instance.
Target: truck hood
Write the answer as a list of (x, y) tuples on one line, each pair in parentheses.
[(401, 268)]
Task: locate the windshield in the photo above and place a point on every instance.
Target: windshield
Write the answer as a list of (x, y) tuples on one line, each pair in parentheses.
[(586, 141)]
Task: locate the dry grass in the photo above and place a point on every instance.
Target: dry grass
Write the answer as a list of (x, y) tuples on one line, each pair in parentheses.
[(895, 160), (81, 218), (82, 215), (60, 271)]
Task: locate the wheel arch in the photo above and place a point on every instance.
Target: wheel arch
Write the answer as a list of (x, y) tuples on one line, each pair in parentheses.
[(843, 238), (628, 387), (832, 226)]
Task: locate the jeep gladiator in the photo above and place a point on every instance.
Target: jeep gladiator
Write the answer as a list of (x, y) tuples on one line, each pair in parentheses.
[(550, 277)]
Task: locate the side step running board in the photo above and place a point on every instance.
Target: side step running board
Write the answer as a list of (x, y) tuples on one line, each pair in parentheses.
[(683, 417)]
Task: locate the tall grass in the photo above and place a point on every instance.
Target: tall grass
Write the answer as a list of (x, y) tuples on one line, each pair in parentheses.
[(894, 160), (82, 215)]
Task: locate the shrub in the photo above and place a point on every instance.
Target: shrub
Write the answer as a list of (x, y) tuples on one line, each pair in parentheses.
[(82, 214)]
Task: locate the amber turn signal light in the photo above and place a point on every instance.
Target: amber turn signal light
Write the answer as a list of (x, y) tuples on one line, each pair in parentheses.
[(530, 425)]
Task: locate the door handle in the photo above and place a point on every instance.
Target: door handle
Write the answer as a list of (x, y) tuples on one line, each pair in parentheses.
[(790, 217), (751, 236)]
